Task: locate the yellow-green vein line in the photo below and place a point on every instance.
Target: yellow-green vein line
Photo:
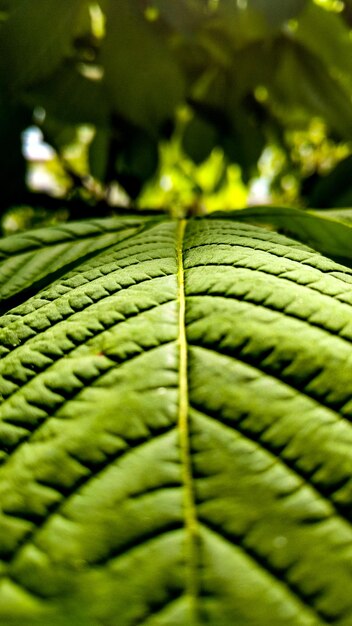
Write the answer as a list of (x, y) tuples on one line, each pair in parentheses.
[(184, 434)]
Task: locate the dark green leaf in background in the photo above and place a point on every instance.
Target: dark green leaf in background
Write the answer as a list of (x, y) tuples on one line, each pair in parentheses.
[(184, 15), (332, 190), (143, 79), (199, 139), (277, 12), (331, 42), (299, 88), (136, 161), (36, 38), (99, 153), (72, 98)]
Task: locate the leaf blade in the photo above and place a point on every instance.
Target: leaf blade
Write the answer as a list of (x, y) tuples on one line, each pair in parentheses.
[(92, 480)]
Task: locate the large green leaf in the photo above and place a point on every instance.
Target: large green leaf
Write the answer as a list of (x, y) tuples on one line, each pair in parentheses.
[(176, 435)]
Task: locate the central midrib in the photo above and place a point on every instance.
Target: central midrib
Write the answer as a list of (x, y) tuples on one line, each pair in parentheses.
[(191, 524)]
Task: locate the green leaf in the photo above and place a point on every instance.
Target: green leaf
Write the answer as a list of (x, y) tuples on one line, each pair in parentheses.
[(136, 160), (143, 78), (99, 153), (245, 143), (36, 38), (184, 16), (71, 97), (325, 231), (44, 252), (275, 12), (299, 86), (341, 214), (175, 431), (199, 139), (327, 36)]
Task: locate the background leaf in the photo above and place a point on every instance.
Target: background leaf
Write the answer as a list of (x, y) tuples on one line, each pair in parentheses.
[(72, 98), (28, 53), (144, 81), (277, 13)]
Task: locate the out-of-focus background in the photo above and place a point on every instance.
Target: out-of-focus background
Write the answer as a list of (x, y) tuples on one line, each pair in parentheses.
[(193, 105)]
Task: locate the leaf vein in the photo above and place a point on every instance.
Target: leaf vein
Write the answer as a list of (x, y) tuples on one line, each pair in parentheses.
[(265, 565), (276, 376), (287, 463), (191, 524)]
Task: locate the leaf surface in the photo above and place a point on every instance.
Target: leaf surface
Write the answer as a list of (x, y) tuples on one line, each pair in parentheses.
[(175, 432), (32, 257), (328, 231)]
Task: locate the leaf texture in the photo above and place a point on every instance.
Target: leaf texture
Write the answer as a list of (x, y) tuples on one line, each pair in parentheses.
[(328, 231), (36, 256), (175, 429)]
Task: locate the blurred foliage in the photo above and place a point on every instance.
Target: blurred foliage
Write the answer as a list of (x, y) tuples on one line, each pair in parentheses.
[(203, 104)]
